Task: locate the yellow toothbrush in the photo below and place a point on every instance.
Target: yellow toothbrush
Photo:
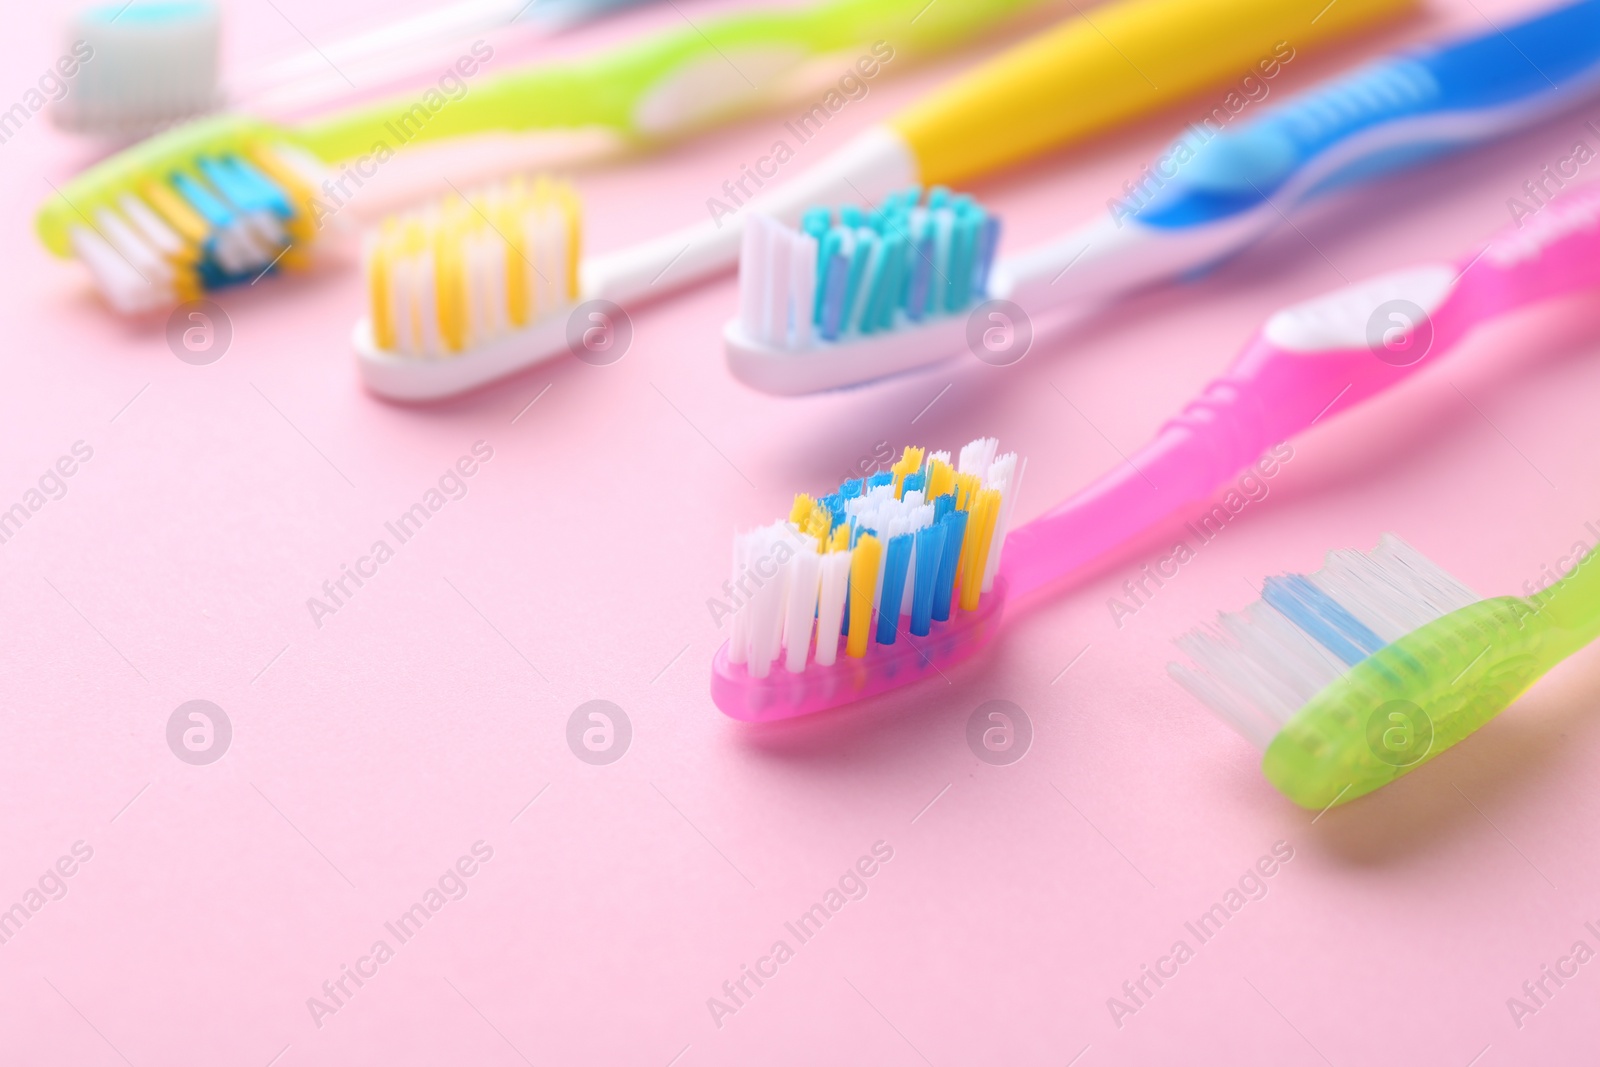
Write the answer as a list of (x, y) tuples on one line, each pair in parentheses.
[(1089, 72)]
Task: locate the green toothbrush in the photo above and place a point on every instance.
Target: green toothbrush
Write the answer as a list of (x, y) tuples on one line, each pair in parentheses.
[(1377, 663), (151, 226)]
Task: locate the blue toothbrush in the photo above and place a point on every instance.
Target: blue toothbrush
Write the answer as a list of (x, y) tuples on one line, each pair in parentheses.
[(1212, 193)]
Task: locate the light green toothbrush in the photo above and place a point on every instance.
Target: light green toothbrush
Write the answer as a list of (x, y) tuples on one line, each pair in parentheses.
[(150, 225), (1372, 666)]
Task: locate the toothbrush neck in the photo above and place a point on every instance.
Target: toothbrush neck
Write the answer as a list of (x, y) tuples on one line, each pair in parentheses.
[(1572, 604), (1549, 254)]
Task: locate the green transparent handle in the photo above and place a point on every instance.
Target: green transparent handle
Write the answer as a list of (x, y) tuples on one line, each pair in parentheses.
[(607, 91), (1400, 707)]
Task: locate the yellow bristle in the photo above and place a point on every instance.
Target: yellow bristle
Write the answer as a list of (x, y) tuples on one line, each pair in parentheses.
[(513, 210), (818, 523), (801, 511), (451, 283), (863, 584), (302, 226), (574, 218), (840, 541), (941, 479), (380, 267), (980, 531), (452, 236), (177, 214), (910, 463), (966, 486)]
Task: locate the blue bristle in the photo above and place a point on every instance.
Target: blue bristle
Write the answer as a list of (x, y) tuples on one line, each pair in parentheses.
[(1321, 617), (832, 294), (816, 222), (938, 197), (851, 217), (881, 478), (850, 488), (896, 558), (913, 483), (216, 214), (930, 554), (244, 186), (944, 587), (943, 505)]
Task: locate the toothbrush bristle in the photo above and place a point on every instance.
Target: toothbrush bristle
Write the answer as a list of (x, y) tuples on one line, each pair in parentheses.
[(850, 273), (1257, 667), (895, 564), (468, 269), (227, 219)]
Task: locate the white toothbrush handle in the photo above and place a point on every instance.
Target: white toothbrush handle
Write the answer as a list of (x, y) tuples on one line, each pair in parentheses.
[(865, 171), (1102, 260)]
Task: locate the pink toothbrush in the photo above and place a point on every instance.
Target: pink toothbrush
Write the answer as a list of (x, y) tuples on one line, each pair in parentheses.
[(1306, 363)]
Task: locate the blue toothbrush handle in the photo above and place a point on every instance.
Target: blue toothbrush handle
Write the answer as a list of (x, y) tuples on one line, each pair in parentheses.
[(1387, 116)]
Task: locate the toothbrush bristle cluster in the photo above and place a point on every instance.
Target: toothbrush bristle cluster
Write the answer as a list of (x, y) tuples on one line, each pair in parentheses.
[(462, 272), (853, 273), (882, 560), (1258, 667), (225, 219)]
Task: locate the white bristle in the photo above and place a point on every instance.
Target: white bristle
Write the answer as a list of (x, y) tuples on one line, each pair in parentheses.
[(775, 305), (1257, 667), (802, 573), (128, 291), (753, 277), (151, 226), (148, 65), (978, 456), (144, 257), (803, 272), (830, 605), (1006, 476)]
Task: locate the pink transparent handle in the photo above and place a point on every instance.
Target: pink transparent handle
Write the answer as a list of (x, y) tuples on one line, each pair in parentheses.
[(1270, 394)]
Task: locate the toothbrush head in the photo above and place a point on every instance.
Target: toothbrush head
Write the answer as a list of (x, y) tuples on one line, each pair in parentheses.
[(217, 202), (1351, 677), (154, 63), (886, 581), (853, 295), (469, 289)]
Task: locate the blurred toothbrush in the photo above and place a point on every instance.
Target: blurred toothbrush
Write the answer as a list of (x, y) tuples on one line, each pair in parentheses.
[(1057, 87), (1309, 362), (221, 200), (157, 62), (1227, 189), (1355, 675)]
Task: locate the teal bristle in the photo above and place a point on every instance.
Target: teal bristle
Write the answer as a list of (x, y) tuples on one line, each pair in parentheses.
[(876, 269)]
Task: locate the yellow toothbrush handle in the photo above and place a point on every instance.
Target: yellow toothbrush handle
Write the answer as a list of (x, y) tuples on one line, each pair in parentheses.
[(1115, 62)]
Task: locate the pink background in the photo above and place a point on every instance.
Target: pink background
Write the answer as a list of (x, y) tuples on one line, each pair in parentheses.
[(370, 753)]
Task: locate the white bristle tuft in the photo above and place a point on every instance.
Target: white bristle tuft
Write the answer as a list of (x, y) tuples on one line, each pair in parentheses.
[(1256, 668), (1005, 474), (801, 577), (139, 67)]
